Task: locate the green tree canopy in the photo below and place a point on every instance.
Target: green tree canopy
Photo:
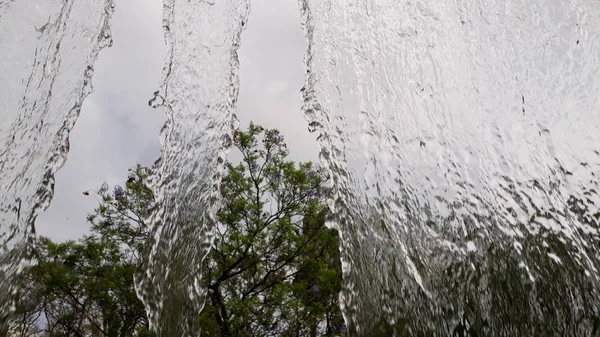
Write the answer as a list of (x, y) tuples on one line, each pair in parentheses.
[(274, 268)]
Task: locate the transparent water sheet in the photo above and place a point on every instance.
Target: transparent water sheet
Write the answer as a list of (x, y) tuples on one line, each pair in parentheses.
[(48, 52), (198, 93), (462, 138)]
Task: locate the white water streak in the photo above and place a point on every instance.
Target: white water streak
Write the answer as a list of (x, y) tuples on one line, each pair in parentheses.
[(199, 90), (48, 52), (445, 122)]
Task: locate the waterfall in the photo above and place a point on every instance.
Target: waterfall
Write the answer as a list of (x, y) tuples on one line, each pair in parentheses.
[(198, 93), (48, 53), (462, 139)]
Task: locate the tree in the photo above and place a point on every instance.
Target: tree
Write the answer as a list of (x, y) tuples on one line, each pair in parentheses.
[(274, 269), (82, 288)]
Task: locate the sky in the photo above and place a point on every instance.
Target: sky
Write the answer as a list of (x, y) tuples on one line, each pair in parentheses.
[(117, 129)]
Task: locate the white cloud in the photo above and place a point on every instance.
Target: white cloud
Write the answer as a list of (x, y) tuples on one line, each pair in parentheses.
[(276, 87)]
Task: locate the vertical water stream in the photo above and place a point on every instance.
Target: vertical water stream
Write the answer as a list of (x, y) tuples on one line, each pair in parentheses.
[(198, 93), (462, 138), (48, 53)]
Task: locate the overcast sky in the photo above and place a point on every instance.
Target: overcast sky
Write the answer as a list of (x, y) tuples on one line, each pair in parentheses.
[(117, 129)]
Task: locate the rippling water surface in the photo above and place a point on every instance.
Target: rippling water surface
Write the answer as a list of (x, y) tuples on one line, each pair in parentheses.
[(48, 51), (198, 93), (463, 139)]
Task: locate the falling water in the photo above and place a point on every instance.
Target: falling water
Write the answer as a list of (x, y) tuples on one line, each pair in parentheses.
[(48, 52), (462, 138), (198, 93)]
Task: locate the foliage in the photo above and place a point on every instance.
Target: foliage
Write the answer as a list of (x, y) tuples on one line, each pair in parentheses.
[(274, 268)]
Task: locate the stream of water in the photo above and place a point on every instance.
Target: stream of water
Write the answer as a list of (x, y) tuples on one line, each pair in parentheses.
[(198, 93), (462, 138), (48, 53)]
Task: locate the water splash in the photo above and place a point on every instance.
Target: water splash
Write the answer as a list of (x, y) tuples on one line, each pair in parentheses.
[(48, 52), (198, 93), (462, 138)]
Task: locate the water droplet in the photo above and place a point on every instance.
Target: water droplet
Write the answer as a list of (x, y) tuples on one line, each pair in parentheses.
[(156, 101)]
